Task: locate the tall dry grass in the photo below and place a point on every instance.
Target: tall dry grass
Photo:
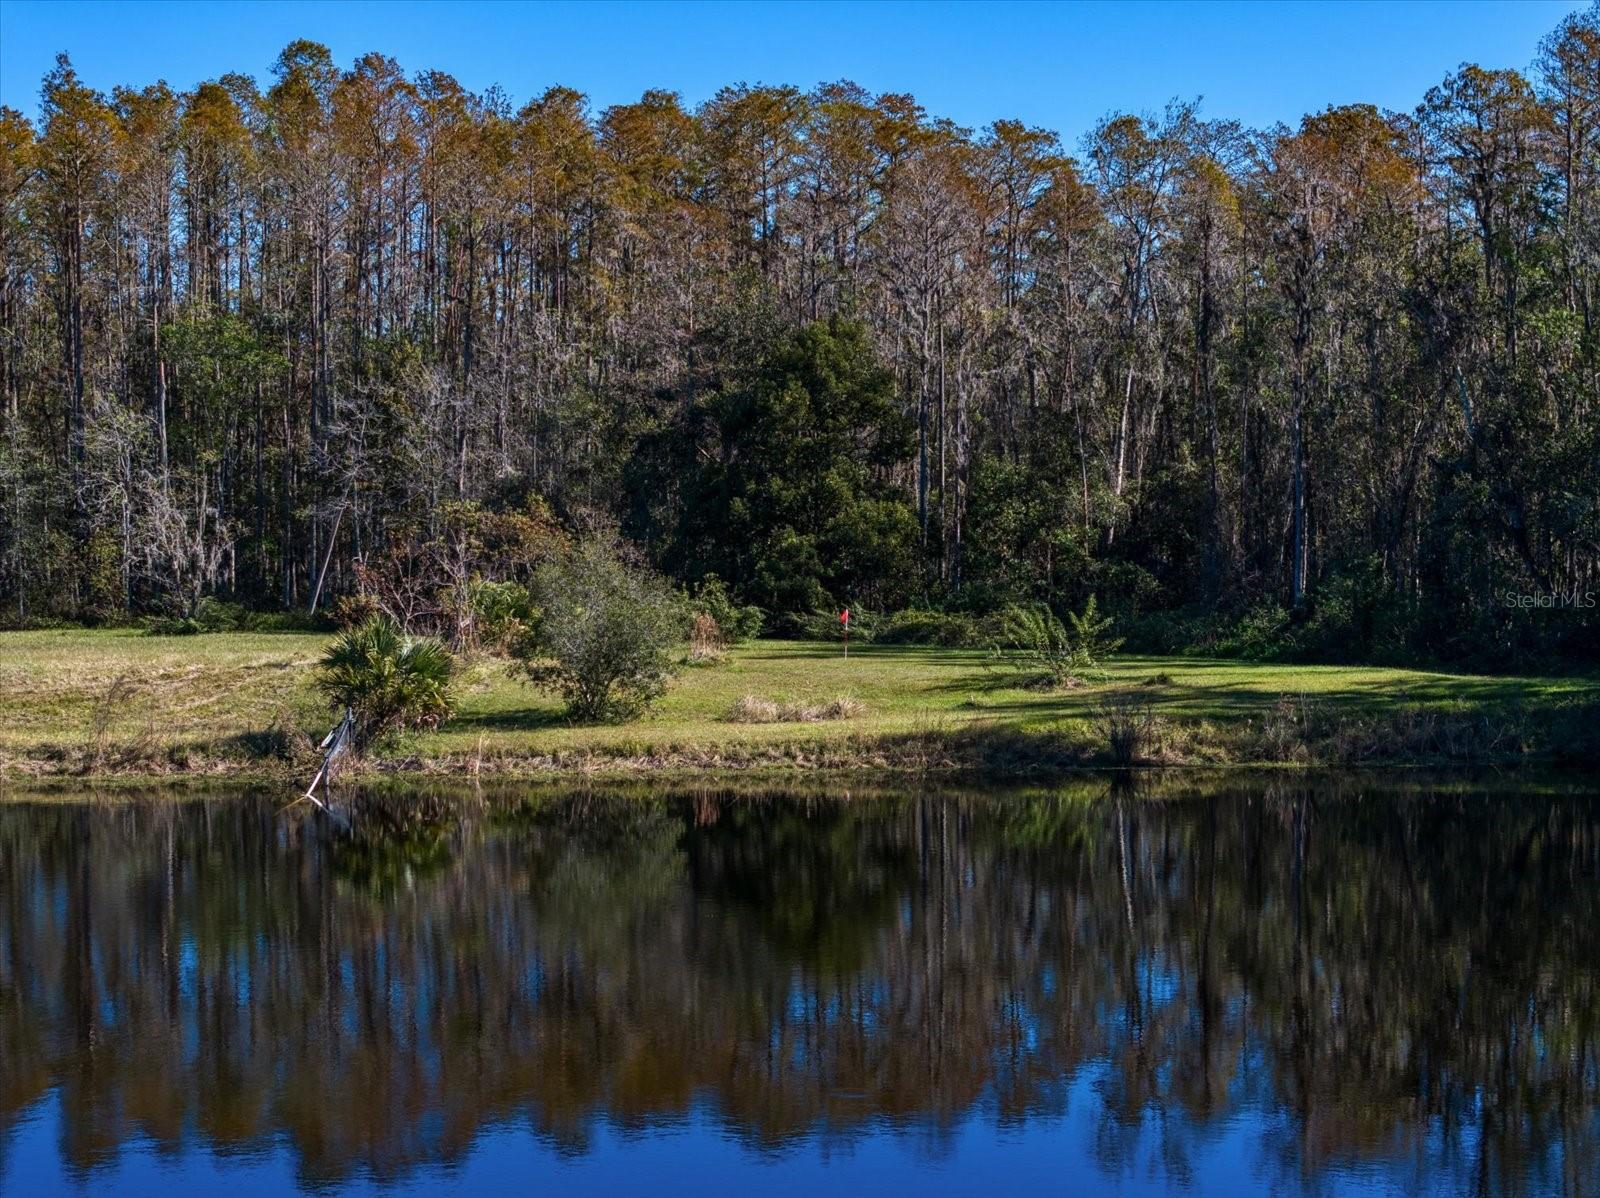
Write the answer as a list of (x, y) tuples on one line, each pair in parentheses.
[(753, 709)]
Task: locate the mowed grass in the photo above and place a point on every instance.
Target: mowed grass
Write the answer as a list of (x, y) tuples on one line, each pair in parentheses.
[(61, 689), (76, 700)]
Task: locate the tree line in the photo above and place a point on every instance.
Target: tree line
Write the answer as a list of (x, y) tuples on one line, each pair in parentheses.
[(1328, 389)]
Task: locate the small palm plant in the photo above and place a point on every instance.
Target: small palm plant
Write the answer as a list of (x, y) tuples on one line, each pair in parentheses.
[(1091, 638), (388, 679), (1035, 642)]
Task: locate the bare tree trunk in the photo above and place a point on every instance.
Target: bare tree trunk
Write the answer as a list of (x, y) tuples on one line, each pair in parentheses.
[(322, 573)]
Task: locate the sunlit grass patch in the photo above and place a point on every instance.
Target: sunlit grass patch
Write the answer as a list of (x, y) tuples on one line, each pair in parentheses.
[(245, 701)]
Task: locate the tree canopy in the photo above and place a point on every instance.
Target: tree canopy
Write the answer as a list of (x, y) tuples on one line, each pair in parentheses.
[(786, 477), (1339, 379)]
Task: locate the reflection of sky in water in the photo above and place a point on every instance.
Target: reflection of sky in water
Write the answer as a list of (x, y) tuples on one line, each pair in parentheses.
[(788, 1003), (698, 1155)]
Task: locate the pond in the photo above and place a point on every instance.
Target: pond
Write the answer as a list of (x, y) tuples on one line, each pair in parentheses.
[(1323, 985)]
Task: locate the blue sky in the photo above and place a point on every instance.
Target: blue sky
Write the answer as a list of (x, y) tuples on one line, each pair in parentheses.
[(1058, 65)]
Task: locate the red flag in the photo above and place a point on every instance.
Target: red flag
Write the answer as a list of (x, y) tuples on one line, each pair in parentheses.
[(844, 617)]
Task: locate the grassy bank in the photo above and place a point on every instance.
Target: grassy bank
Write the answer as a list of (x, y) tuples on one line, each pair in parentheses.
[(107, 702)]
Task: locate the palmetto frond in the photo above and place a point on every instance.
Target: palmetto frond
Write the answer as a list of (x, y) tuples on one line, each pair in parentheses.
[(388, 679)]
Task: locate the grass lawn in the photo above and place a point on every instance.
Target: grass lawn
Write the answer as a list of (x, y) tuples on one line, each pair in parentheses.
[(89, 701)]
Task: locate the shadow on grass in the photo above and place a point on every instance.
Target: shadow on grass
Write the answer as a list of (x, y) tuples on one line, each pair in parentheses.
[(1232, 689), (516, 719), (1400, 678), (825, 650), (1238, 701)]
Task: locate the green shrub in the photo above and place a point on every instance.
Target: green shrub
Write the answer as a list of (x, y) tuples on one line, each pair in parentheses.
[(825, 626), (286, 621), (918, 626), (503, 614), (209, 615), (737, 622), (173, 626), (1354, 616), (1034, 642), (217, 615), (1357, 616), (605, 636), (1193, 629), (1091, 635), (1261, 634), (389, 680)]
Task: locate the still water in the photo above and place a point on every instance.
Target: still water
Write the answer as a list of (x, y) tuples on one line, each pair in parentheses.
[(1327, 987)]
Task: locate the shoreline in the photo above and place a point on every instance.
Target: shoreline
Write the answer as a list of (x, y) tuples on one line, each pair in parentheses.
[(968, 754), (1085, 783), (243, 708)]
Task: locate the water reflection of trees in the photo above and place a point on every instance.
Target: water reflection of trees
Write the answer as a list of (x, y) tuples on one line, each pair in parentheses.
[(1406, 978)]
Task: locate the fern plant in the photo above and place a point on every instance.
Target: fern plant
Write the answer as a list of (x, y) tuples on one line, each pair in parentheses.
[(1034, 642), (1091, 638), (388, 679)]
